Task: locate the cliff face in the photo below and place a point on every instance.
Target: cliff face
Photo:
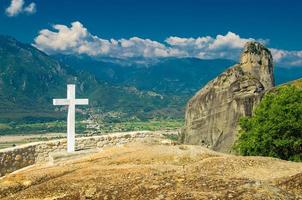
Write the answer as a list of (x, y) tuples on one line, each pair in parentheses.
[(212, 115)]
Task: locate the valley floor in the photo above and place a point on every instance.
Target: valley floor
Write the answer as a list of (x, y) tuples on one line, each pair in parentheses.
[(18, 139), (35, 132), (153, 170)]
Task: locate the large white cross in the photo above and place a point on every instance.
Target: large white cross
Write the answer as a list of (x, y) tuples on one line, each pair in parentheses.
[(71, 101)]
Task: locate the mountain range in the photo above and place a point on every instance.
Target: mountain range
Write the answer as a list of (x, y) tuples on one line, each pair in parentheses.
[(30, 79)]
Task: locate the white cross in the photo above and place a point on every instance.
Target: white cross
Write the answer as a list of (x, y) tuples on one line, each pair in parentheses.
[(71, 101)]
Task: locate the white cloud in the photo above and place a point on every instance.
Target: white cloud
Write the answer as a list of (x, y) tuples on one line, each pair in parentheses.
[(287, 58), (31, 8), (17, 6), (65, 39), (230, 40), (76, 39), (222, 46)]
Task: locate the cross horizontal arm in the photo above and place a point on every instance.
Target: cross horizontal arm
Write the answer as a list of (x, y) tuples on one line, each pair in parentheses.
[(81, 102), (60, 102)]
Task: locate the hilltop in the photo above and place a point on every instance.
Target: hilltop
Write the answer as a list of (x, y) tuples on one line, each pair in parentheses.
[(151, 170)]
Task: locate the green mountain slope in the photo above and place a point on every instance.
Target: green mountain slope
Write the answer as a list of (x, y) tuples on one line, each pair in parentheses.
[(29, 80)]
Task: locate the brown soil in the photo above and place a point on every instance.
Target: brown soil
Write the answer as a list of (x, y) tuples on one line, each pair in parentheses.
[(153, 171)]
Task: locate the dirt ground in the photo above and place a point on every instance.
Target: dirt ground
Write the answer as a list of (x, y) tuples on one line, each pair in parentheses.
[(155, 171)]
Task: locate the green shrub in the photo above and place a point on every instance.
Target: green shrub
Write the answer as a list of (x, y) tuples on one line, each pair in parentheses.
[(275, 129)]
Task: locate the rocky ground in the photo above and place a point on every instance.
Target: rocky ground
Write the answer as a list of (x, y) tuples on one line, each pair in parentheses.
[(152, 170)]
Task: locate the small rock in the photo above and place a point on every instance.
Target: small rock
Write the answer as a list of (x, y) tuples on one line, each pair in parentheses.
[(18, 157)]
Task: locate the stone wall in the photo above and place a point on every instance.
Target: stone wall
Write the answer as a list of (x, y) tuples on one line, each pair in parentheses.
[(12, 159)]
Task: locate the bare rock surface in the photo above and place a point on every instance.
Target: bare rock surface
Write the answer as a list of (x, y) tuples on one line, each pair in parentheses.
[(152, 170), (212, 115)]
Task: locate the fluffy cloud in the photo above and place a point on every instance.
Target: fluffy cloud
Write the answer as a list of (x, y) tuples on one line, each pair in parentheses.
[(76, 39), (287, 58), (222, 46), (17, 6)]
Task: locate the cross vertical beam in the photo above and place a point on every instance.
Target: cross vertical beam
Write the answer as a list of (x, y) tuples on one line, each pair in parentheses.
[(71, 102), (71, 118)]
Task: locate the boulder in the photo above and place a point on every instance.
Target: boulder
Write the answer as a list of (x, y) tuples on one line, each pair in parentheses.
[(212, 115)]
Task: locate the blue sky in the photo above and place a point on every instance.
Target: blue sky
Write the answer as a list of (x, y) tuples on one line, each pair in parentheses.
[(277, 22)]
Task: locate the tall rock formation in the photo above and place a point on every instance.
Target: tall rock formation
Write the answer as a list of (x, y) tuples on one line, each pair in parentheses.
[(212, 115)]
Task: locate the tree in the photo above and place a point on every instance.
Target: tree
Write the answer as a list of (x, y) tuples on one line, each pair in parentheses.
[(275, 129)]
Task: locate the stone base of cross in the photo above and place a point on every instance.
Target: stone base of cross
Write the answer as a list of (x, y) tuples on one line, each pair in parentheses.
[(71, 102)]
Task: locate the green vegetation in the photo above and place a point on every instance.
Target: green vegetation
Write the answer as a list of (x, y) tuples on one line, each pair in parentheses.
[(275, 129), (4, 126), (30, 80), (150, 125), (81, 127), (37, 128)]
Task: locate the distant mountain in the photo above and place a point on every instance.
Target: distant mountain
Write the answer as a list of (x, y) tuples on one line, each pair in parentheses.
[(177, 76), (30, 79), (180, 76)]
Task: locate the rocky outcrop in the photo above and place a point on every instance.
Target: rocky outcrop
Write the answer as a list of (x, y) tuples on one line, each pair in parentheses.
[(150, 170), (212, 115)]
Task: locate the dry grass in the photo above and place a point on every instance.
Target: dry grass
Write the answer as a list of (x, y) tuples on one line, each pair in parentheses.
[(151, 171)]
